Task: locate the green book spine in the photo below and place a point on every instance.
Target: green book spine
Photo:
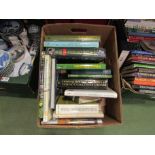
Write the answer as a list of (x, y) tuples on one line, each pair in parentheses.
[(77, 52), (81, 66), (144, 65), (72, 38), (88, 76)]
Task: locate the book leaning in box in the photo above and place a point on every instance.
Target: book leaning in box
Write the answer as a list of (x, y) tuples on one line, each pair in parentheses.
[(74, 80)]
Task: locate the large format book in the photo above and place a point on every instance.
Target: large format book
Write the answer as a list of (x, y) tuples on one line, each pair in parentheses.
[(72, 44), (142, 81), (82, 66), (99, 76), (82, 83), (138, 65), (72, 38), (78, 111), (73, 121), (107, 93), (95, 72), (137, 87), (66, 108), (77, 52), (47, 113)]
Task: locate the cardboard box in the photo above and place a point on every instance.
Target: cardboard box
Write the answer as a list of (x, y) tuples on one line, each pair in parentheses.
[(113, 114)]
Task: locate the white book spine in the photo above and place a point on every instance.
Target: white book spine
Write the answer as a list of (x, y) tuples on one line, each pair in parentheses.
[(77, 109), (53, 82), (47, 78)]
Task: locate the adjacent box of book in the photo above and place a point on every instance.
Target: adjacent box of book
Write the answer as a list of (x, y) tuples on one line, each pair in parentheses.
[(112, 110)]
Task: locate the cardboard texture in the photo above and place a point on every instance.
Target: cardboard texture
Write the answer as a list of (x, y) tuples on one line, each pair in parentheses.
[(109, 42)]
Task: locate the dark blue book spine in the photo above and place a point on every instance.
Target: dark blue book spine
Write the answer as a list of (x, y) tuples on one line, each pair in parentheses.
[(96, 72), (142, 52), (143, 34)]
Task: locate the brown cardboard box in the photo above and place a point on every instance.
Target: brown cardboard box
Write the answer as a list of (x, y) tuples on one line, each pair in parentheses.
[(109, 41)]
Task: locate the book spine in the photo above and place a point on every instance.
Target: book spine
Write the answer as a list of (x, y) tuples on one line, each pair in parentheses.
[(141, 34), (145, 79), (47, 78), (82, 83), (94, 72), (88, 76), (142, 58), (67, 109), (143, 87), (145, 70), (72, 38), (140, 30), (72, 121), (147, 91), (53, 83), (143, 83), (139, 38), (81, 66), (142, 52), (144, 65), (76, 44), (78, 52)]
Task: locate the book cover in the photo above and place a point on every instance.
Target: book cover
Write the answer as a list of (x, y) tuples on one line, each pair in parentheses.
[(82, 66), (107, 93), (71, 44), (72, 38), (82, 83), (100, 76), (94, 72), (77, 52)]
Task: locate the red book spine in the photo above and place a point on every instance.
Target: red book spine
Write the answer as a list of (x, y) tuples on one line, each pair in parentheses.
[(142, 58)]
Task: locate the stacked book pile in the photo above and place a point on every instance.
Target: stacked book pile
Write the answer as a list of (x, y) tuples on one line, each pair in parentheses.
[(141, 32), (73, 80), (139, 71)]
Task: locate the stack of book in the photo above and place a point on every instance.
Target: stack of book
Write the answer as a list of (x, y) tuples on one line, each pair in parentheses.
[(139, 71), (140, 30), (73, 80)]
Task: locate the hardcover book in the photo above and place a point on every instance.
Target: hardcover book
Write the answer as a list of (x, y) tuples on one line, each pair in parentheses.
[(88, 76), (72, 44), (77, 52), (143, 87), (82, 83), (72, 38), (107, 93), (82, 66)]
